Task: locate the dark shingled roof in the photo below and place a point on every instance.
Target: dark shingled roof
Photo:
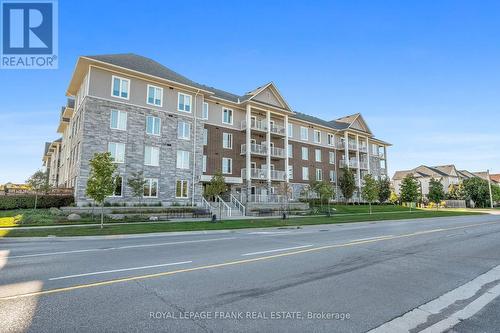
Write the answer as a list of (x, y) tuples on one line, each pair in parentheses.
[(148, 66)]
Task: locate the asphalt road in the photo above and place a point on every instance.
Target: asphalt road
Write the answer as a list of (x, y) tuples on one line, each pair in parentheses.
[(394, 276)]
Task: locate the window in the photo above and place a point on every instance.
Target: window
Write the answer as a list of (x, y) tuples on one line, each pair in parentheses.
[(305, 173), (118, 120), (227, 116), (182, 159), (120, 87), (290, 150), (151, 156), (227, 140), (181, 189), (183, 130), (331, 139), (317, 155), (319, 174), (290, 171), (290, 130), (184, 103), (118, 187), (205, 136), (151, 188), (332, 176), (331, 157), (117, 151), (227, 165), (204, 113), (317, 136), (204, 164), (155, 95), (304, 133), (305, 153), (153, 125)]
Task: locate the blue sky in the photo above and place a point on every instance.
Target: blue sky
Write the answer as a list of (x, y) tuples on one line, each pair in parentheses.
[(424, 74)]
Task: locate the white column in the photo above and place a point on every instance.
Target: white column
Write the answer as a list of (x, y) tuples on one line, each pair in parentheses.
[(358, 173), (268, 156), (248, 160), (346, 148), (286, 149), (368, 154), (385, 161)]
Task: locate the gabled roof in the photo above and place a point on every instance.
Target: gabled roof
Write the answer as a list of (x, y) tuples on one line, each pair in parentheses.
[(354, 119), (272, 87), (449, 170), (465, 174)]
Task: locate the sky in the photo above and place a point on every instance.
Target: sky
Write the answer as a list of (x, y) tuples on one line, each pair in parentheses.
[(425, 75)]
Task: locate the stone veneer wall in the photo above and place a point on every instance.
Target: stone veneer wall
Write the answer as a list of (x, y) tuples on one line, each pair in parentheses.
[(97, 134)]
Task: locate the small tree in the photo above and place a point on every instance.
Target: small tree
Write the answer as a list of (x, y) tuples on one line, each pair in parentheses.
[(436, 191), (324, 191), (456, 191), (384, 189), (409, 189), (347, 183), (370, 190), (101, 182), (217, 186), (136, 182), (39, 182), (286, 190), (394, 199), (476, 189)]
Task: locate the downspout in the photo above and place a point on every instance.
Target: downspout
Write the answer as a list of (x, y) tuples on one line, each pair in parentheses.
[(194, 149)]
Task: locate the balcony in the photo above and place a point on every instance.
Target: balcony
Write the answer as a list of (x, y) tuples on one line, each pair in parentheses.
[(257, 125), (352, 163), (363, 148), (265, 198), (261, 150), (340, 144), (352, 145), (363, 165), (278, 130), (261, 174)]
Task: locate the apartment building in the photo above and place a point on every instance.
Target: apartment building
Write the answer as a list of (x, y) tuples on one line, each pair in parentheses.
[(446, 174), (179, 133)]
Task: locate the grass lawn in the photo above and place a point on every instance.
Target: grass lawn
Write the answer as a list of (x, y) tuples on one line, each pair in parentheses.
[(230, 224)]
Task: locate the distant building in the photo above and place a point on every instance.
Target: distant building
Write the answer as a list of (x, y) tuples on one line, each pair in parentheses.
[(447, 174)]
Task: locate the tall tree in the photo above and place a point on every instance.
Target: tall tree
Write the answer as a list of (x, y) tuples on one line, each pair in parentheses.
[(476, 189), (410, 188), (347, 183), (101, 181), (217, 186), (436, 191), (370, 190), (384, 189), (39, 182), (136, 182)]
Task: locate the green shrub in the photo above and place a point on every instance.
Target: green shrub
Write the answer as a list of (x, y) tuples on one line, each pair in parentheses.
[(28, 201)]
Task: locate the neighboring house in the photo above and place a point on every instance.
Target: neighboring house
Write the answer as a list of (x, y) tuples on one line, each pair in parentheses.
[(179, 133), (447, 174), (495, 178)]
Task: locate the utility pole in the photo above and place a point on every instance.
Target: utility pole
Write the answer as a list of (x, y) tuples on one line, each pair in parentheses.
[(489, 187)]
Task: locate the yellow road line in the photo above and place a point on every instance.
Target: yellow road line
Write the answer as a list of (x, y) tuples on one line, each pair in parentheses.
[(237, 262)]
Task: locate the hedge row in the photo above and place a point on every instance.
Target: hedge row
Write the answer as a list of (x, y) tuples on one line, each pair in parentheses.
[(28, 201)]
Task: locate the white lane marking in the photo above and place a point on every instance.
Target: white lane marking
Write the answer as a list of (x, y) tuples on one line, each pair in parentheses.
[(467, 312), (277, 250), (370, 238), (119, 247), (420, 315), (119, 270)]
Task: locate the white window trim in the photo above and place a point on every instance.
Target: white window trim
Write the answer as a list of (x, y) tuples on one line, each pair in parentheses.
[(203, 111), (116, 146), (230, 135), (302, 153), (205, 136), (316, 155), (149, 180), (159, 125), (187, 189), (189, 131), (230, 163), (152, 148), (113, 77), (190, 104), (307, 133), (306, 174), (188, 162), (118, 120), (232, 116), (204, 164), (161, 95), (118, 196), (319, 171), (315, 136), (332, 142)]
